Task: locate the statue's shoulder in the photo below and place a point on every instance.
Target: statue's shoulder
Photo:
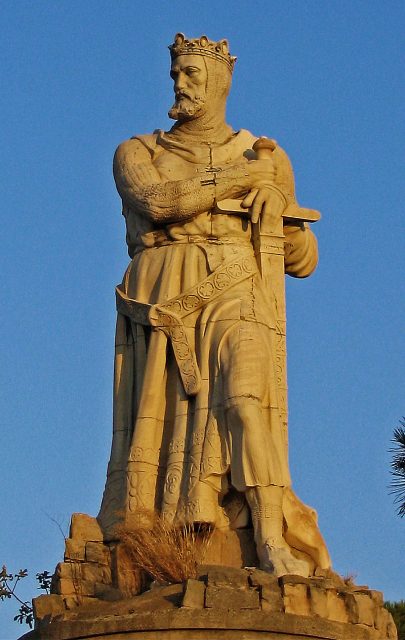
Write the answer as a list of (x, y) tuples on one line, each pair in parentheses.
[(136, 149)]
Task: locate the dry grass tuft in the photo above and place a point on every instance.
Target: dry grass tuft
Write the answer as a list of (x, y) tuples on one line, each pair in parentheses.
[(166, 552), (349, 579)]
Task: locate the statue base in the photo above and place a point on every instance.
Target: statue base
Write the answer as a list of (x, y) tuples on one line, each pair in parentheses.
[(225, 603), (95, 593)]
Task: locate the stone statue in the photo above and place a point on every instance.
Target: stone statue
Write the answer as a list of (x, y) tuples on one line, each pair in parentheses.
[(200, 407), (200, 399)]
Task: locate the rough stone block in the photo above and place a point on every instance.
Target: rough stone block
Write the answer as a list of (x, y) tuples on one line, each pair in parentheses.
[(68, 587), (227, 576), (293, 579), (360, 608), (271, 599), (194, 593), (72, 602), (269, 589), (125, 577), (74, 549), (228, 598), (321, 583), (258, 578), (384, 623), (69, 570), (295, 598), (107, 592), (318, 601), (96, 573), (97, 552), (85, 528), (335, 578), (232, 549), (336, 606), (392, 633), (48, 605), (378, 597)]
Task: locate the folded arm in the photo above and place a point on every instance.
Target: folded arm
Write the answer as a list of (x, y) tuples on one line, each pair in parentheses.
[(141, 187)]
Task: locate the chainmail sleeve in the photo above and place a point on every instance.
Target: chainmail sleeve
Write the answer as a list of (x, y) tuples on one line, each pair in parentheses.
[(141, 188)]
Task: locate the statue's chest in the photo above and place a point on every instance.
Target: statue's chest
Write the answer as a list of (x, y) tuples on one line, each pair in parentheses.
[(173, 167)]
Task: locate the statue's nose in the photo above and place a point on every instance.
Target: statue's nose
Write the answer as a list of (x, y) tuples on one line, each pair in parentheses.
[(179, 82)]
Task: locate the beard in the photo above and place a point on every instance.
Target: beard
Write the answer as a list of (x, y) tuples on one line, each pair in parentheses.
[(185, 107)]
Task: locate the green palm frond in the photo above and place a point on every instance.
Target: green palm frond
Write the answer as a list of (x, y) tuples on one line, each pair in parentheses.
[(397, 485)]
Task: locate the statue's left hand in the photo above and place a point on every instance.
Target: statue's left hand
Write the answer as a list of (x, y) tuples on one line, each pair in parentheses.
[(259, 201)]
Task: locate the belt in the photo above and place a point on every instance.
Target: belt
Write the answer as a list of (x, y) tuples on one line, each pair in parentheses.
[(167, 316), (160, 238)]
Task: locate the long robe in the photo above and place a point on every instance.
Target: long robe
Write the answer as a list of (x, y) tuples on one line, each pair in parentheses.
[(181, 455)]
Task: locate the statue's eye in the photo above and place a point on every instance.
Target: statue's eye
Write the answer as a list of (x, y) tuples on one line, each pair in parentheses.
[(173, 74)]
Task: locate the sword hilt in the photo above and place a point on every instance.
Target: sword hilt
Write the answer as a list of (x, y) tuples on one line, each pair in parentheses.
[(264, 147)]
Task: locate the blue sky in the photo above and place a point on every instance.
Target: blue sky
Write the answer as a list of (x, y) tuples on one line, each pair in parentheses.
[(325, 79)]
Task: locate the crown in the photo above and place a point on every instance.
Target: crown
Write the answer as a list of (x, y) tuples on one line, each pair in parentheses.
[(202, 47)]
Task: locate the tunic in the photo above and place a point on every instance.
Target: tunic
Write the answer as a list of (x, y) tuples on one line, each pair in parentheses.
[(177, 453)]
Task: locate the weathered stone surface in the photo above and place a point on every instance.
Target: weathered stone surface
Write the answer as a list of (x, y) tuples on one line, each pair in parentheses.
[(226, 576), (125, 577), (319, 601), (97, 552), (336, 606), (72, 603), (85, 528), (258, 578), (74, 549), (386, 625), (232, 549), (295, 598), (360, 608), (293, 579), (48, 605), (67, 587), (378, 597), (336, 580), (271, 600), (69, 570), (194, 594), (229, 598), (107, 592), (269, 589), (96, 573), (321, 583), (206, 624)]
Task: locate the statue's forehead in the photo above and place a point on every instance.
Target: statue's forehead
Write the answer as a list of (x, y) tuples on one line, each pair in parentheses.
[(188, 60)]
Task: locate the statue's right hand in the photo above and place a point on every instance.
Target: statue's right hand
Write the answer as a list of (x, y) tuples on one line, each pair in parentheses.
[(261, 172)]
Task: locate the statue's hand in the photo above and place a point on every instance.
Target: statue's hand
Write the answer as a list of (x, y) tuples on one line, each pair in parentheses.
[(261, 172), (260, 202)]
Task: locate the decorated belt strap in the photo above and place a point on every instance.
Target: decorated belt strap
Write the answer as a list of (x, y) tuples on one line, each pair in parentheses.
[(168, 316)]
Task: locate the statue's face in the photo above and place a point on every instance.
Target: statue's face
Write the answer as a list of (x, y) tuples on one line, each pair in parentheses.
[(190, 77)]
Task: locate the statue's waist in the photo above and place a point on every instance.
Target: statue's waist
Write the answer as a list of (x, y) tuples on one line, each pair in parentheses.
[(162, 237), (203, 228)]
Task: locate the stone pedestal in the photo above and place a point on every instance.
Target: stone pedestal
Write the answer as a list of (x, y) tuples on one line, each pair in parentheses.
[(226, 603)]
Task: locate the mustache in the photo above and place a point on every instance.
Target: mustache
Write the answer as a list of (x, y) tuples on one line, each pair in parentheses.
[(182, 94)]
